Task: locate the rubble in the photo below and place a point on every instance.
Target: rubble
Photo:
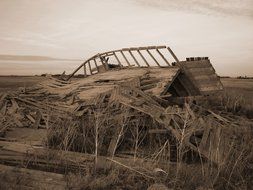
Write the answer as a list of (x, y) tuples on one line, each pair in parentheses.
[(120, 111)]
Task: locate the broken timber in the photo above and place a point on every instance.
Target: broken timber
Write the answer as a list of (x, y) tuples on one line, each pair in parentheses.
[(141, 85)]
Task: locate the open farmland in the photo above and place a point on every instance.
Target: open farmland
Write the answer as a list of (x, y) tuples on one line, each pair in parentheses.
[(238, 95), (12, 83)]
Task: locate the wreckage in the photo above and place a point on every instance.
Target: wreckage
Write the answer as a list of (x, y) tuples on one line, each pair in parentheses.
[(128, 102)]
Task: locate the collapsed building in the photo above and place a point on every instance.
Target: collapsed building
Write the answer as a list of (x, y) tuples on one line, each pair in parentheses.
[(127, 102)]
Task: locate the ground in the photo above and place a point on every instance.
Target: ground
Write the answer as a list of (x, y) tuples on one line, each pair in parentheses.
[(12, 83), (241, 87), (237, 97)]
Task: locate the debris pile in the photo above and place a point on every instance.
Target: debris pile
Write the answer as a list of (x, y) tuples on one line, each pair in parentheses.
[(123, 120), (153, 113)]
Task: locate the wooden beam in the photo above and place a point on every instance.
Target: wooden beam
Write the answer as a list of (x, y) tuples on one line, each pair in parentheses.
[(84, 70), (95, 63), (77, 69), (173, 55), (117, 59), (143, 58), (90, 67), (151, 47), (160, 47), (134, 58), (125, 58), (153, 57), (160, 53), (143, 48), (104, 62), (133, 48)]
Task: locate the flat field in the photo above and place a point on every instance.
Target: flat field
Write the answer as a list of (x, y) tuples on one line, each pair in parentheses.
[(12, 83), (240, 86)]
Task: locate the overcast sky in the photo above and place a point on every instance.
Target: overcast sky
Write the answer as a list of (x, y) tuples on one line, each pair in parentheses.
[(220, 29)]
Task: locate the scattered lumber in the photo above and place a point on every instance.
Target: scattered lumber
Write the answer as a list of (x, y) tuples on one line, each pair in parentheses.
[(126, 116)]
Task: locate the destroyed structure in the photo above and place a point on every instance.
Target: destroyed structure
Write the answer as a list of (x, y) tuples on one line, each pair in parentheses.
[(126, 103)]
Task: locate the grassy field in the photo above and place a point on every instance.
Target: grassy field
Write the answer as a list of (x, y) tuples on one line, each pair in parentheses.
[(12, 83), (236, 174), (237, 96)]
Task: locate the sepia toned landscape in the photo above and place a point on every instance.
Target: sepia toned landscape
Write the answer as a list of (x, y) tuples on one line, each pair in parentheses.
[(133, 94), (116, 124)]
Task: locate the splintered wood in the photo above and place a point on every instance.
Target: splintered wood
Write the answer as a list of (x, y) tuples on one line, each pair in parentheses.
[(124, 114)]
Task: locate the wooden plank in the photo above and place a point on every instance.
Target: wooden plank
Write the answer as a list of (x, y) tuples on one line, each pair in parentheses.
[(133, 48), (117, 59), (125, 58), (206, 77), (143, 48), (30, 118), (188, 85), (104, 62), (171, 82), (160, 47), (151, 47), (173, 55), (90, 68), (201, 71), (143, 58), (78, 68), (149, 81), (148, 86), (134, 58), (153, 57), (75, 159), (84, 70), (96, 65), (160, 53), (210, 88), (207, 83), (196, 64)]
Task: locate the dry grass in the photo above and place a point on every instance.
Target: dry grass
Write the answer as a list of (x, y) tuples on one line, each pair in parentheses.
[(237, 96), (12, 83), (236, 173), (76, 134)]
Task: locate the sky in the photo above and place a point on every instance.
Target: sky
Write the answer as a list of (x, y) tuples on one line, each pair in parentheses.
[(78, 29)]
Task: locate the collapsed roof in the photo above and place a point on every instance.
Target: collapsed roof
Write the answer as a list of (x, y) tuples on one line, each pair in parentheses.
[(195, 76), (118, 95)]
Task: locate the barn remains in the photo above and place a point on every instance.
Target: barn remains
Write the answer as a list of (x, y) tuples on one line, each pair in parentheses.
[(127, 104)]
